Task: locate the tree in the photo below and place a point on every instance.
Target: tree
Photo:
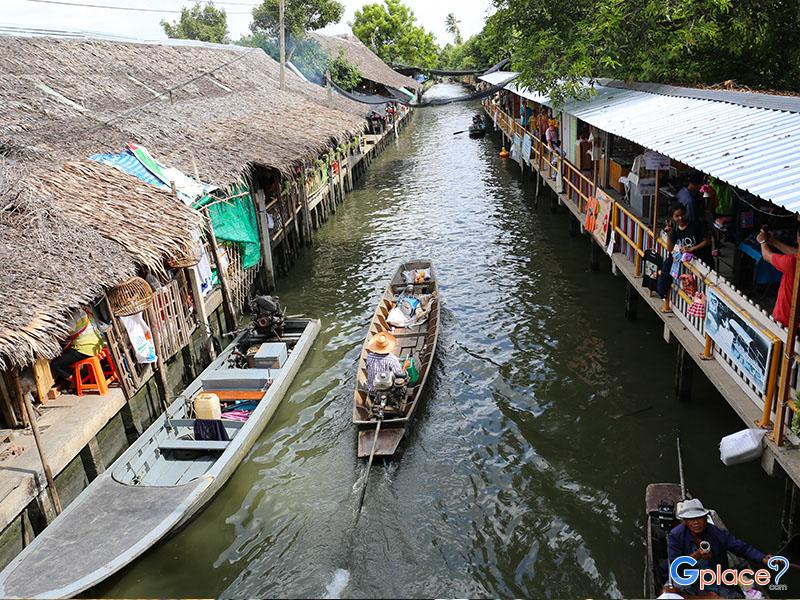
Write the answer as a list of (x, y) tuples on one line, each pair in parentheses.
[(451, 23), (300, 16), (486, 48), (557, 44), (343, 73), (206, 23), (390, 30)]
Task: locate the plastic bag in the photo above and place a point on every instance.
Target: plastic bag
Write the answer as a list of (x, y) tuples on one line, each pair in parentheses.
[(741, 446), (410, 367), (141, 338)]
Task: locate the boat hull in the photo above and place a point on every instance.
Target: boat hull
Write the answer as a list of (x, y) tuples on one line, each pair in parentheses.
[(112, 523)]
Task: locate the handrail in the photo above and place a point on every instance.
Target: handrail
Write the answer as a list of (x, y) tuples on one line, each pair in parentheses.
[(677, 301)]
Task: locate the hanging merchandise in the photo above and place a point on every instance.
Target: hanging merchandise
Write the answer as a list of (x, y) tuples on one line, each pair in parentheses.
[(651, 269), (688, 284), (141, 338), (698, 306)]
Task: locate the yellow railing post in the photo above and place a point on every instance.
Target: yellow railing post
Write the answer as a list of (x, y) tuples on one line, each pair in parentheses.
[(772, 378), (708, 350)]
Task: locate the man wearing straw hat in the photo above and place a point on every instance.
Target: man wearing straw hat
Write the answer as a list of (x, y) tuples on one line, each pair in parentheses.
[(381, 358), (708, 544)]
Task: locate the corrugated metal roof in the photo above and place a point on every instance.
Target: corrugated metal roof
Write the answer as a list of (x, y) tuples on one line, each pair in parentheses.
[(753, 148)]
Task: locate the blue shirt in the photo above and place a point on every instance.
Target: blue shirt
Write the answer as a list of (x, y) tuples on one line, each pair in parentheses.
[(681, 543)]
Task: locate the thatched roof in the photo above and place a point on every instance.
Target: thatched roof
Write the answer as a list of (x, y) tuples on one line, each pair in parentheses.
[(370, 65), (56, 94), (57, 255), (71, 228)]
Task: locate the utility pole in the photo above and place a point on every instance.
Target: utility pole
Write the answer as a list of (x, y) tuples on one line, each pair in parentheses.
[(282, 33)]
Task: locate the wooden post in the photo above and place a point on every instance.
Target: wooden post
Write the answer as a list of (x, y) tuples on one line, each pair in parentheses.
[(200, 306), (227, 302), (48, 474), (684, 369), (7, 404), (266, 239), (769, 398), (594, 254), (786, 364), (631, 302), (162, 371), (637, 261), (306, 213), (282, 35)]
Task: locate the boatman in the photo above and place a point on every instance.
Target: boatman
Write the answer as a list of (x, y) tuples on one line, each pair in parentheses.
[(381, 358), (686, 540)]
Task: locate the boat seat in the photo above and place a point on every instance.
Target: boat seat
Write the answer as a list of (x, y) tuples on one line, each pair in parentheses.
[(198, 445)]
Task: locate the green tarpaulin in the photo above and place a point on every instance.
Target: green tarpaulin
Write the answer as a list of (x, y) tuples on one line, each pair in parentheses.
[(235, 221)]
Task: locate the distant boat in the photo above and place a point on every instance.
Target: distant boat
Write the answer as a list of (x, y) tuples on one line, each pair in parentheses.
[(164, 478), (419, 341), (477, 130)]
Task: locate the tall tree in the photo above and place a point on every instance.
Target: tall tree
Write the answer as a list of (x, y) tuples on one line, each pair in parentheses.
[(557, 44), (451, 23), (206, 23), (390, 30), (300, 16)]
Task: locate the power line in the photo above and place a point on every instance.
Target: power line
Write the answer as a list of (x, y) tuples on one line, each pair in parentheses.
[(128, 8)]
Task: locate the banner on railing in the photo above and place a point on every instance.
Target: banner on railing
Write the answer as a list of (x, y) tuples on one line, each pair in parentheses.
[(598, 216), (526, 148), (516, 149), (746, 344)]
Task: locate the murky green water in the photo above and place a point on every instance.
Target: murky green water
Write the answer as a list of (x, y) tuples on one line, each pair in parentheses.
[(547, 416)]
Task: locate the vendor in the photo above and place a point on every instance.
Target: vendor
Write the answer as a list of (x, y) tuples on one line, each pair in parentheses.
[(381, 358), (688, 236), (84, 341), (785, 262)]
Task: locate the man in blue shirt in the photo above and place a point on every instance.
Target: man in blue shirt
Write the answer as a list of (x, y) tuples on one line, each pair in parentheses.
[(689, 196), (685, 540)]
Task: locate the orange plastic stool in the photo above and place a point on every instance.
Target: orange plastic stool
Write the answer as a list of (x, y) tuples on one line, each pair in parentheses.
[(97, 379)]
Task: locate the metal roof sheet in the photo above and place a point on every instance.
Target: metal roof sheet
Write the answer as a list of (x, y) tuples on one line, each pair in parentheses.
[(751, 141)]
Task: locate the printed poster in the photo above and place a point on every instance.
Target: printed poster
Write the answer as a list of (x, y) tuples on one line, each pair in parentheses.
[(747, 345), (527, 142)]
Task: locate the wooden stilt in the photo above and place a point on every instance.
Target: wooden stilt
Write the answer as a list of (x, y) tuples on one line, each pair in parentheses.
[(200, 307), (48, 474), (227, 301), (161, 367)]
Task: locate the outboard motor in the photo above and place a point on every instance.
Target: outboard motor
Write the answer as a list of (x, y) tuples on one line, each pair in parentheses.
[(268, 317), (390, 394), (666, 515)]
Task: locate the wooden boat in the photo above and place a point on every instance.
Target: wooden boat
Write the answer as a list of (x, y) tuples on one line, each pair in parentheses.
[(161, 481), (477, 131), (661, 500), (419, 340)]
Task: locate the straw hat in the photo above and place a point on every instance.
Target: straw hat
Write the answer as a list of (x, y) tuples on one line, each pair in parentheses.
[(382, 343), (691, 509)]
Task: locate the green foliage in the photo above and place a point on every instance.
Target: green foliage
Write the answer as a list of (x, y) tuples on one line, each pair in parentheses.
[(481, 50), (556, 44), (345, 74), (390, 30), (206, 23), (311, 59), (300, 16), (451, 23)]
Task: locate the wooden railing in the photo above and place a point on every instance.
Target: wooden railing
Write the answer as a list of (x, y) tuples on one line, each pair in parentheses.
[(634, 237)]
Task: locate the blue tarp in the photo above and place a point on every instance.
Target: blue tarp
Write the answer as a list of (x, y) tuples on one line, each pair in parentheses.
[(128, 163)]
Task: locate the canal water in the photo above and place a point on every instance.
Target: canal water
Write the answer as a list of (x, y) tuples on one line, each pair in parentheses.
[(547, 415)]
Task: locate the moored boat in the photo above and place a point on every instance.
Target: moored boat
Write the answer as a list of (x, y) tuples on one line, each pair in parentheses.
[(661, 501), (477, 131), (418, 340), (172, 470)]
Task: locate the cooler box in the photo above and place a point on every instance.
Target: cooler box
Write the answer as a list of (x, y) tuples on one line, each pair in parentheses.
[(271, 355)]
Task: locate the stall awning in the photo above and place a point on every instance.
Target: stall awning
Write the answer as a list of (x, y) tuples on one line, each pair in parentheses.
[(750, 141)]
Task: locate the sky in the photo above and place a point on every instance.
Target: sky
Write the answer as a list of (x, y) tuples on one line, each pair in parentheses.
[(42, 15)]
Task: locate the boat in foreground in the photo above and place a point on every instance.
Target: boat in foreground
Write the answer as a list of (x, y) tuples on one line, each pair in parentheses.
[(418, 339), (167, 475), (477, 131), (661, 501)]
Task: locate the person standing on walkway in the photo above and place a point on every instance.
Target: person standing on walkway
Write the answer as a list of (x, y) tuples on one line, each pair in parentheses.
[(785, 260)]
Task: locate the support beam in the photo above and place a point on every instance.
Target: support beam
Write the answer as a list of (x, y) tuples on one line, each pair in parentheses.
[(594, 255), (266, 239), (92, 459), (631, 302), (574, 226), (684, 370), (202, 314), (227, 301)]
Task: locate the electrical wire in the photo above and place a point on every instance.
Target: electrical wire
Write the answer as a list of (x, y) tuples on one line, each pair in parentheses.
[(126, 8)]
